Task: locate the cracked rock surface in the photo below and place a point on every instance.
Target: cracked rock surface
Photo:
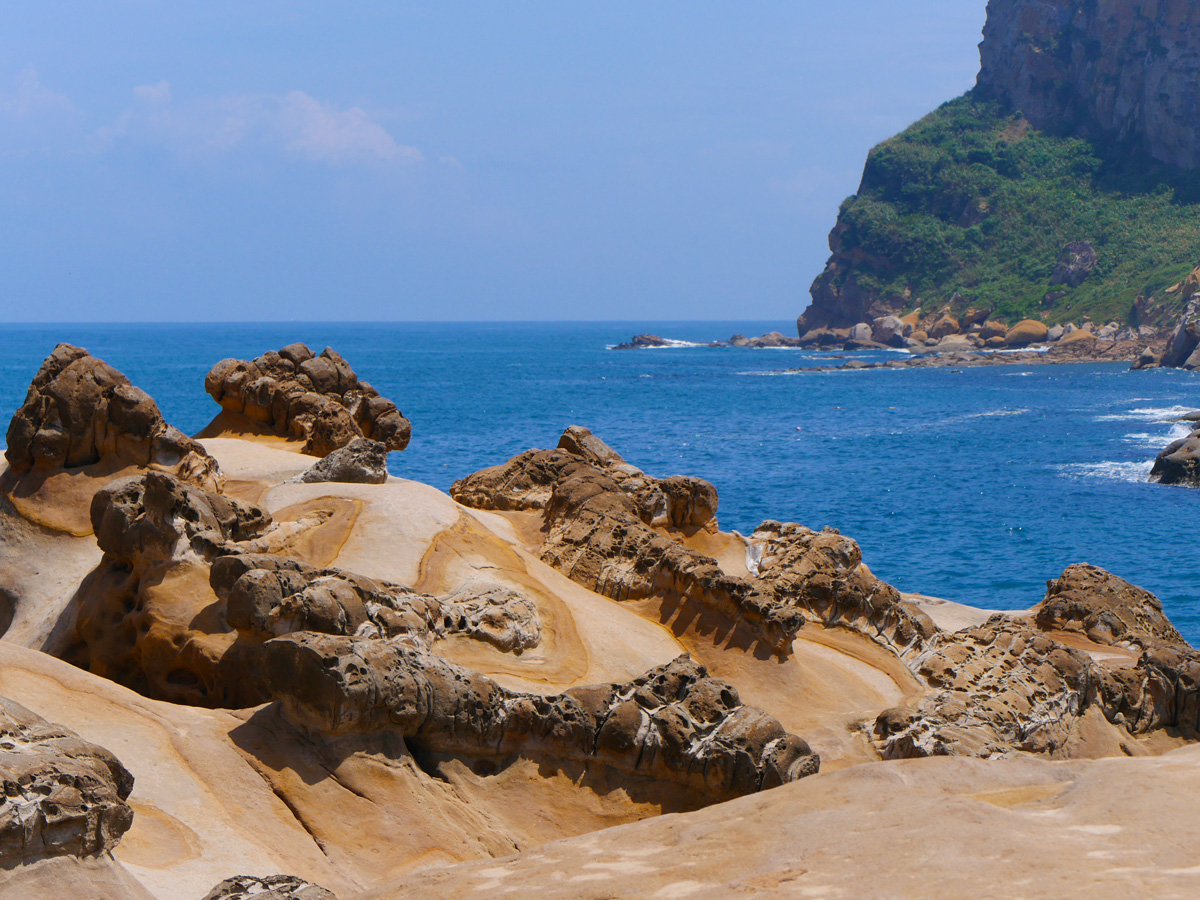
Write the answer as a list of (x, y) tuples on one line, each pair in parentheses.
[(62, 796), (272, 887)]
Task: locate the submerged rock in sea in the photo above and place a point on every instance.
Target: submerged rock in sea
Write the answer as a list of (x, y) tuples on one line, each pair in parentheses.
[(63, 796), (80, 412), (317, 399)]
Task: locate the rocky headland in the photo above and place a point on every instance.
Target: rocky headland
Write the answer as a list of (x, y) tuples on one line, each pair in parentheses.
[(1062, 187), (286, 674)]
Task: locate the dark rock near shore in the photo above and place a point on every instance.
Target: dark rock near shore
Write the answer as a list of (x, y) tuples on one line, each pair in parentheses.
[(1179, 462), (299, 395), (1185, 339)]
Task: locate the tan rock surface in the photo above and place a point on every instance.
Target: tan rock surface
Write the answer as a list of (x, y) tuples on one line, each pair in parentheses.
[(937, 829)]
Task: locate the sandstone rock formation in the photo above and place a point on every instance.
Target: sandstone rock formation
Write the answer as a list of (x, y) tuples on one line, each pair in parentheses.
[(362, 461), (62, 796), (673, 724), (346, 654), (1024, 333), (316, 399), (80, 411), (273, 887), (600, 516), (1127, 74), (1010, 684)]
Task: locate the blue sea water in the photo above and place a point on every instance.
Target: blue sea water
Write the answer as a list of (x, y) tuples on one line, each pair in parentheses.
[(976, 485)]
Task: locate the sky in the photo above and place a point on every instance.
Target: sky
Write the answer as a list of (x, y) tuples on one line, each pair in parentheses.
[(490, 161)]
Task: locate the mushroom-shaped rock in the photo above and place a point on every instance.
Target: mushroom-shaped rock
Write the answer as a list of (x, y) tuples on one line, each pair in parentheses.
[(317, 399)]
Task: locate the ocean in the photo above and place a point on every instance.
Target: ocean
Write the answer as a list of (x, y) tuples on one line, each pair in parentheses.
[(976, 485)]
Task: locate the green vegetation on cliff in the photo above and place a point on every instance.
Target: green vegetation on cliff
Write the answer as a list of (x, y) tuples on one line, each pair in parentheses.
[(972, 200)]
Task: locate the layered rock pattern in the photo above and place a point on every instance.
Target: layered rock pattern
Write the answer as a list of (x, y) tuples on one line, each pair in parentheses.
[(80, 411), (604, 524), (155, 527), (267, 596), (128, 629), (674, 724), (345, 654), (62, 795), (314, 398), (1125, 72)]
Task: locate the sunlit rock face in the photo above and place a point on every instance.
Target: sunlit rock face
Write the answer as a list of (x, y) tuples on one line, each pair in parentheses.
[(1109, 69)]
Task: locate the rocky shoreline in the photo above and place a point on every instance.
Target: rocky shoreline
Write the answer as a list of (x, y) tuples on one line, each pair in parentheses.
[(976, 340), (381, 684)]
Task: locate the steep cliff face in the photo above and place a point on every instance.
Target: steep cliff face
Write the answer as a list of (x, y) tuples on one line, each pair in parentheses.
[(1084, 127), (1108, 69)]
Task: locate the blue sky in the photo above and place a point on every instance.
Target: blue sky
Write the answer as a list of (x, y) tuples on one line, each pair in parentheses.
[(446, 161)]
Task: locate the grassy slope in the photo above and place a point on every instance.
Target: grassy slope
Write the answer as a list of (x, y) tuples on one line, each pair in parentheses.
[(970, 199)]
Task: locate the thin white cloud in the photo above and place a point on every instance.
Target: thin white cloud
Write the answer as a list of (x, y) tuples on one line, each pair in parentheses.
[(29, 98), (153, 93), (318, 132), (296, 124), (35, 119)]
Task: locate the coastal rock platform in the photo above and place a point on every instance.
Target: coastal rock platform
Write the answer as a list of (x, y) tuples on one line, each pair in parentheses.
[(561, 678)]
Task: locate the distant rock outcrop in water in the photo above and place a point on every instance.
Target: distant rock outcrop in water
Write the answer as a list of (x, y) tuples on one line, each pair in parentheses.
[(317, 399)]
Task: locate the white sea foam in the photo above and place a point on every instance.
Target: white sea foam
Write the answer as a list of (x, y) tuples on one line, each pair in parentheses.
[(668, 344), (672, 344), (1152, 414), (993, 413), (1137, 472), (1158, 441), (1038, 349)]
